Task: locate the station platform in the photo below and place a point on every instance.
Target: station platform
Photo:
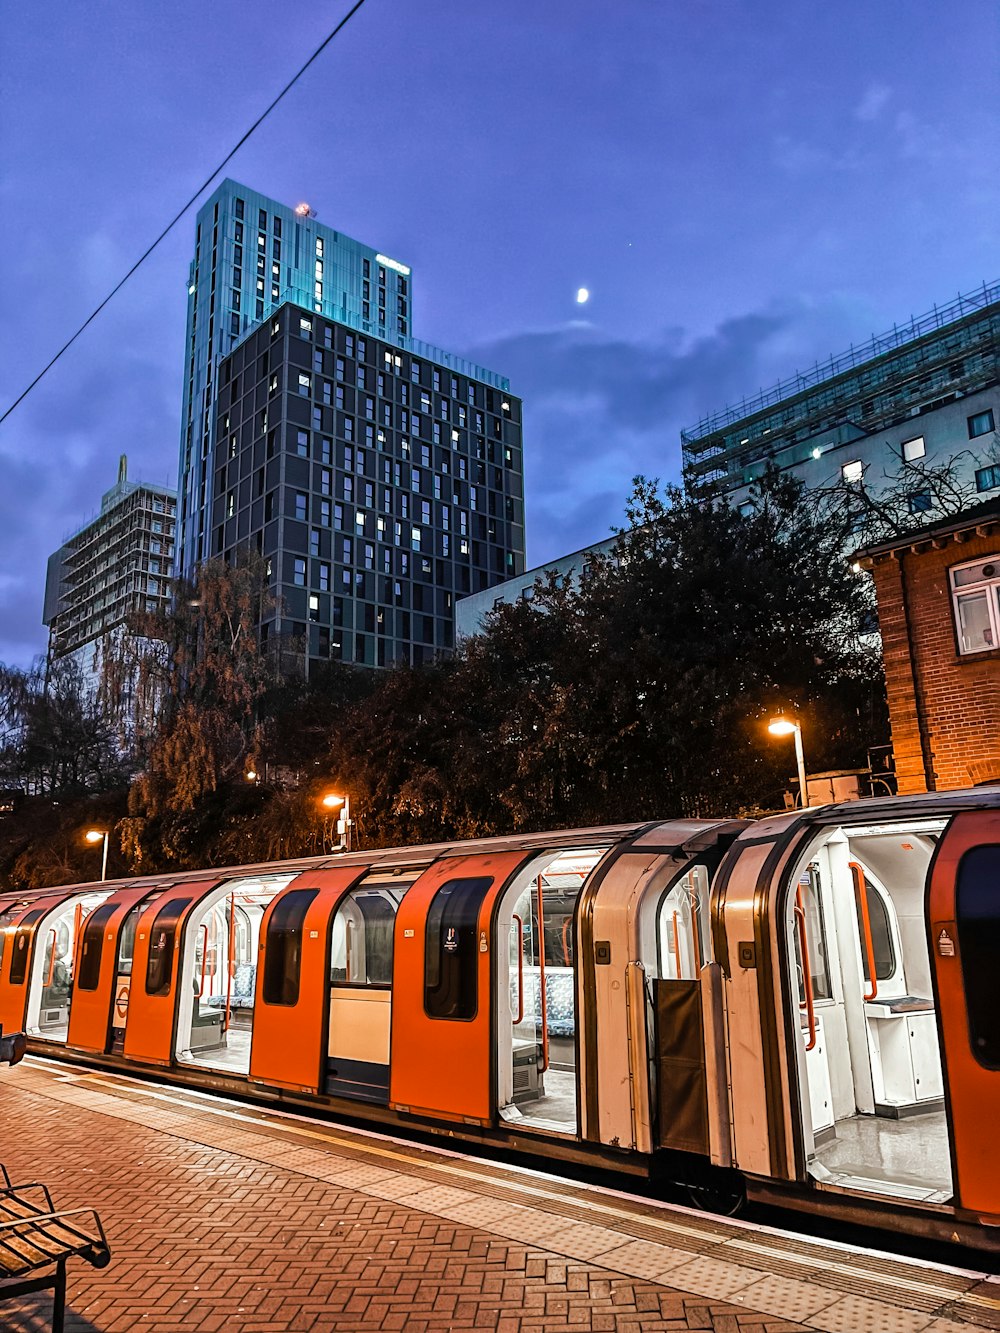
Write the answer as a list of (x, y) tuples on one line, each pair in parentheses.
[(227, 1217)]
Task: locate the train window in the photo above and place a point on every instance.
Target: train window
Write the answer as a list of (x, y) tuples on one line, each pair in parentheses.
[(5, 920), (363, 927), (977, 910), (283, 947), (162, 938), (684, 942), (812, 901), (126, 937), (878, 919), (22, 942), (451, 954), (93, 942)]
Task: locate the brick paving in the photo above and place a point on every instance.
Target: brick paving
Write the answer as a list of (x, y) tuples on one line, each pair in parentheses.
[(222, 1221)]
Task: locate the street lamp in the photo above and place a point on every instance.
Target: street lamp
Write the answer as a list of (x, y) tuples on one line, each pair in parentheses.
[(332, 801), (98, 835), (784, 726)]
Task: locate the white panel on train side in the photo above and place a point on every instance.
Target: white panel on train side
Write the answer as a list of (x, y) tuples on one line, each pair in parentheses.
[(359, 1024)]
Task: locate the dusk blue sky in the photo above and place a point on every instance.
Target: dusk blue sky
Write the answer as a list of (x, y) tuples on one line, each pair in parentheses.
[(743, 187)]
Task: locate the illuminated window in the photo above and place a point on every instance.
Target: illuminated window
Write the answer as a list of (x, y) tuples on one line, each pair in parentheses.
[(976, 600), (853, 471)]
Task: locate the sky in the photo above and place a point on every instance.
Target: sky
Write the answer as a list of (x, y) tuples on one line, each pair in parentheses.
[(743, 186)]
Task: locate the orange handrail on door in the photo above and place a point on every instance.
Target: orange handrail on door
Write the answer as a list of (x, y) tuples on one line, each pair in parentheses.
[(677, 949), (695, 904), (204, 961), (543, 1000), (861, 894), (520, 970), (52, 958), (565, 943), (800, 915), (230, 958)]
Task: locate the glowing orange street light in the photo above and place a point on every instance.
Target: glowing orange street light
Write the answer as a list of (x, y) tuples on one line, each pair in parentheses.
[(784, 726), (95, 835), (332, 801)]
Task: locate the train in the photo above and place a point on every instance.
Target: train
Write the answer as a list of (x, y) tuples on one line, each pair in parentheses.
[(802, 1010)]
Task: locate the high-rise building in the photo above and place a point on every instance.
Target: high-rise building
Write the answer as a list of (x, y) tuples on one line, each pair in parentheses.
[(318, 429), (115, 566), (379, 482), (251, 255), (917, 397)]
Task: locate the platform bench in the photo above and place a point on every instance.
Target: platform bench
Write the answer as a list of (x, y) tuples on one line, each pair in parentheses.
[(35, 1238)]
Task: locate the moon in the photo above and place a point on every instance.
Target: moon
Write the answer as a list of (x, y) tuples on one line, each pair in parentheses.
[(582, 296)]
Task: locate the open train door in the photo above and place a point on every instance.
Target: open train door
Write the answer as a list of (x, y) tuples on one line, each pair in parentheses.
[(153, 994), (100, 993), (442, 1026), (964, 924)]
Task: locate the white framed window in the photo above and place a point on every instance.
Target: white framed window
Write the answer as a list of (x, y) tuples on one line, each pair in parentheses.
[(914, 449), (975, 592), (853, 471)]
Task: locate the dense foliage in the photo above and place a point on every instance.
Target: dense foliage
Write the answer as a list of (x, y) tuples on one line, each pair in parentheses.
[(642, 691)]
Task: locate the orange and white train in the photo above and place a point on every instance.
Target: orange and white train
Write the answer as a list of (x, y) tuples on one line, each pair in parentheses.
[(804, 1009)]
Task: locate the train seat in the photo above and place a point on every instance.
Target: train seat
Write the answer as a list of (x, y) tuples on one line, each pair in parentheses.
[(560, 1007), (243, 989)]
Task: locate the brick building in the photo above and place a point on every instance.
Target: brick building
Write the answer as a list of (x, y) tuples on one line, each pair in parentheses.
[(938, 590)]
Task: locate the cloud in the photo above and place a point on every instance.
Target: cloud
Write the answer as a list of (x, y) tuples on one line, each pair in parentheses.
[(873, 102), (798, 157), (598, 409)]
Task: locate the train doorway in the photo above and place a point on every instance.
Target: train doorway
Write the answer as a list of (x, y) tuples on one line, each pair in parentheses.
[(50, 993), (537, 993), (869, 1064), (217, 978), (362, 935)]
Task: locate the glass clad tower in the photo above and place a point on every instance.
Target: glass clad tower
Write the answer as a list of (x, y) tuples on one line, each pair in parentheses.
[(251, 254), (380, 477)]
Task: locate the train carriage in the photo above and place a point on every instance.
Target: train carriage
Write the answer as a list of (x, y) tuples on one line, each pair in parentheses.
[(801, 1009)]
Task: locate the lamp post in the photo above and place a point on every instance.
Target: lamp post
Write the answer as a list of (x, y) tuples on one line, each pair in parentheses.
[(784, 726), (98, 835), (333, 801)]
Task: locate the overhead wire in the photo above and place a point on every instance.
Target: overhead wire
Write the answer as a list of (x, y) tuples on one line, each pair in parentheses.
[(177, 217)]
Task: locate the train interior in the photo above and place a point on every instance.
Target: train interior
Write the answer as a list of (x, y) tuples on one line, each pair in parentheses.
[(683, 934), (869, 1063), (217, 977), (50, 992), (536, 990), (361, 957)]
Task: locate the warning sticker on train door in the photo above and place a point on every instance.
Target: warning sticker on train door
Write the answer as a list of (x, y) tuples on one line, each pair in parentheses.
[(450, 940), (121, 998), (483, 946), (946, 941)]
